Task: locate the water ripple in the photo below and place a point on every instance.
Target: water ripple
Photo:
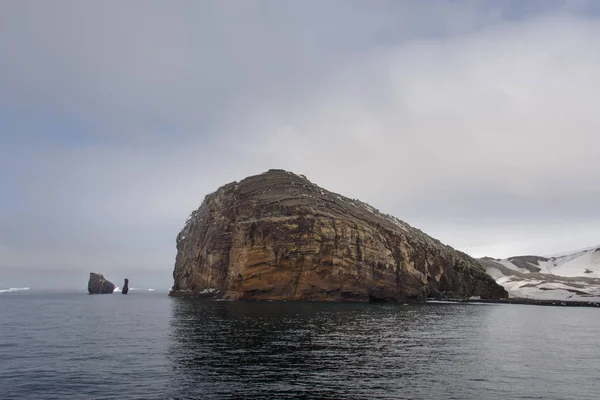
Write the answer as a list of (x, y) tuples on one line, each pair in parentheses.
[(148, 346)]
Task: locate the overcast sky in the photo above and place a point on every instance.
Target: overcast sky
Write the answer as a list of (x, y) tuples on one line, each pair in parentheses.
[(475, 121)]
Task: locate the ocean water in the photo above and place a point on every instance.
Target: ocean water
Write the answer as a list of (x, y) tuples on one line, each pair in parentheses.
[(149, 346)]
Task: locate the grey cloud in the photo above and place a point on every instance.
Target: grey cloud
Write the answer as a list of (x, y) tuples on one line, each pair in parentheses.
[(474, 121), (502, 123), (185, 63)]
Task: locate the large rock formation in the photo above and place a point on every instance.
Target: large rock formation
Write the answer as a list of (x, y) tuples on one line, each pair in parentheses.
[(279, 236), (125, 289), (99, 285)]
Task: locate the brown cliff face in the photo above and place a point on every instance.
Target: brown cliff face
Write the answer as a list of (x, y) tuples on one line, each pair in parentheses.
[(278, 236)]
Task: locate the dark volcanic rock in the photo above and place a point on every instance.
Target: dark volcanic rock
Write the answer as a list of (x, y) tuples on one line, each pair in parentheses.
[(279, 236), (488, 262), (528, 262), (98, 285), (125, 287)]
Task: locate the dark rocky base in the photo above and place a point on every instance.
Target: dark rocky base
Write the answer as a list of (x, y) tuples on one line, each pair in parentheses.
[(219, 295), (559, 303), (189, 293)]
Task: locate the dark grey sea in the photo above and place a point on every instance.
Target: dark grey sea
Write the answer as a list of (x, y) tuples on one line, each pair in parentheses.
[(148, 346)]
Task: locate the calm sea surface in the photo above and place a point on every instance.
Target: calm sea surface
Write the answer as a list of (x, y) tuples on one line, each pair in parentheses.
[(150, 346)]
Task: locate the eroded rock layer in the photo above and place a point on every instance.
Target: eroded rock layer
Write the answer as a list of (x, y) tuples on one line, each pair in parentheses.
[(278, 236)]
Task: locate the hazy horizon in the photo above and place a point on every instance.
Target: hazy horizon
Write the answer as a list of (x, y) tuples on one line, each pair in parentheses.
[(472, 121)]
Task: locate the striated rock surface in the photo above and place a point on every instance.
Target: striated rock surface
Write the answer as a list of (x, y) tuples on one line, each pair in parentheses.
[(97, 284), (279, 236)]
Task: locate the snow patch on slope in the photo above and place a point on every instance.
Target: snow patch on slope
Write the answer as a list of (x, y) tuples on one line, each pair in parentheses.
[(585, 262), (566, 276), (546, 290)]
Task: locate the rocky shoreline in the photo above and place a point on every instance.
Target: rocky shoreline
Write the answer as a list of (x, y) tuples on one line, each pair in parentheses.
[(523, 301), (534, 302)]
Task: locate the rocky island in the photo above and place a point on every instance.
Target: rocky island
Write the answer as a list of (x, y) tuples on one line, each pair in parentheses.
[(97, 284), (278, 236)]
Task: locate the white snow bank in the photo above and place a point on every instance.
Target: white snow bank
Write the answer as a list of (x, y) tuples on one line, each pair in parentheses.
[(555, 279), (584, 262)]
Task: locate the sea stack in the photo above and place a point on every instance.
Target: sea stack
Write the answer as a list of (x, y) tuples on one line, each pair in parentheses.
[(97, 284), (278, 236), (125, 287)]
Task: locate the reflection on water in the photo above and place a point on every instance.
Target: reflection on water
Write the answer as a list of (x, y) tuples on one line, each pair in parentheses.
[(320, 350)]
